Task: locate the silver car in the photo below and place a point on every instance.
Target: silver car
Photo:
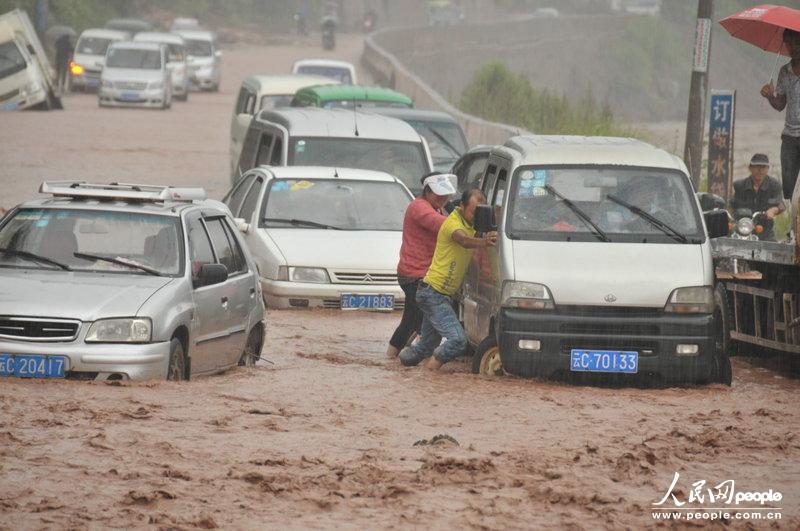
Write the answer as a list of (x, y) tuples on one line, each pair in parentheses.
[(136, 75), (117, 282)]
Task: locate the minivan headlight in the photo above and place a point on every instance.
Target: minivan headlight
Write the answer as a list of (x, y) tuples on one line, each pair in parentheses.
[(314, 275), (698, 299), (527, 295), (126, 330)]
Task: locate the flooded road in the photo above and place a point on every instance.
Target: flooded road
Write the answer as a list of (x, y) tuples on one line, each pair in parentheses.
[(326, 432)]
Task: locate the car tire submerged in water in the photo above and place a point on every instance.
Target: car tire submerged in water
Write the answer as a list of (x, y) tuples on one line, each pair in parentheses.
[(252, 349), (722, 371), (486, 359), (176, 371)]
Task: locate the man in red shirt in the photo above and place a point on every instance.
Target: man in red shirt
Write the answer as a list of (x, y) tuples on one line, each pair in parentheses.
[(421, 225)]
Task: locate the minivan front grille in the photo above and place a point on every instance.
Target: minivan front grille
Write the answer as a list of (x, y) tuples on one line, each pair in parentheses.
[(364, 278), (130, 85), (38, 329)]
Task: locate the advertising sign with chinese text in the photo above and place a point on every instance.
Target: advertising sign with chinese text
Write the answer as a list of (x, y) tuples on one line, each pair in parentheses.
[(720, 142)]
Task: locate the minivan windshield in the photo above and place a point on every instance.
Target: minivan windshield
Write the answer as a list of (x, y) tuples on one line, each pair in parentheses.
[(133, 58), (444, 140), (198, 48), (92, 240), (404, 160), (335, 204), (602, 203), (335, 72), (92, 45), (11, 59)]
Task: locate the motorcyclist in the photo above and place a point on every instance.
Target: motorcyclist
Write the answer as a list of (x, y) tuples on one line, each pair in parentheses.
[(759, 192)]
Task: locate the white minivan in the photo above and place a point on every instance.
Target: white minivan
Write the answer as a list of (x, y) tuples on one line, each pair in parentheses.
[(204, 59), (602, 266), (90, 57)]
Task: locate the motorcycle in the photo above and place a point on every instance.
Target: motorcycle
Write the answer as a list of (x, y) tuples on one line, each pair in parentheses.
[(747, 225), (329, 33)]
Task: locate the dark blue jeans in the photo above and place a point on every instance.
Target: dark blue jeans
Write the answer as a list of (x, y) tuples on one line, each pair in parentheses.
[(439, 320), (790, 164)]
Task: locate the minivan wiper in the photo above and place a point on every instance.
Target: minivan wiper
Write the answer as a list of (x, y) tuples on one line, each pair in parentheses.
[(654, 221), (305, 222), (121, 261), (444, 141), (35, 258), (597, 231)]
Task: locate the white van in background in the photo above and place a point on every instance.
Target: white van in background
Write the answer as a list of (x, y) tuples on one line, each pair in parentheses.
[(90, 57), (176, 60), (26, 77), (204, 59)]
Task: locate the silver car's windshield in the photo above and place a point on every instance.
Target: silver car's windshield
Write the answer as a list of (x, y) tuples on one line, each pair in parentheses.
[(404, 160), (625, 204), (133, 58), (335, 204), (92, 45), (335, 72), (120, 242)]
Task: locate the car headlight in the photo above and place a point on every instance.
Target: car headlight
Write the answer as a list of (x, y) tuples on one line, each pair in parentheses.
[(745, 226), (126, 330), (75, 68), (106, 84), (699, 299), (156, 85), (314, 275), (527, 295)]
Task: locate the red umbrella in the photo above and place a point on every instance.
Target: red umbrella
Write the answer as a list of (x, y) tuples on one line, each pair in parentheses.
[(763, 26)]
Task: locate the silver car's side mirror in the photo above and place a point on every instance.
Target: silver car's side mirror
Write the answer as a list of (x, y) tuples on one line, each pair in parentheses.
[(242, 225)]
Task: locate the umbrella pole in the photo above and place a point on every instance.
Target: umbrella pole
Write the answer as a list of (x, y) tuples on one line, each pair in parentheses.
[(774, 68)]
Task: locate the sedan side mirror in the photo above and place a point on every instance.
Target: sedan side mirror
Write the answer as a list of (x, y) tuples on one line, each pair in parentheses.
[(484, 219), (211, 274), (716, 223)]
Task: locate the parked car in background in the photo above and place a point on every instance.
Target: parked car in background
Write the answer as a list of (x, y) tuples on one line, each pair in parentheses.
[(204, 59), (136, 75), (444, 13), (444, 135), (626, 292), (90, 57), (129, 25), (264, 92), (176, 60), (470, 166), (335, 138), (26, 78), (118, 282), (347, 96), (185, 23), (323, 237), (341, 71)]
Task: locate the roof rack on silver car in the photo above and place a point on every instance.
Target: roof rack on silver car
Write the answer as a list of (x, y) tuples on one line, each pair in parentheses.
[(122, 191)]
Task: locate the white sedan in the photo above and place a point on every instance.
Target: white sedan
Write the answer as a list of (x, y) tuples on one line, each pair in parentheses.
[(323, 237)]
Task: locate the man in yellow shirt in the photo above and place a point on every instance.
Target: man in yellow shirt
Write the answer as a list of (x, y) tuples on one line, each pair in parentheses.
[(454, 246)]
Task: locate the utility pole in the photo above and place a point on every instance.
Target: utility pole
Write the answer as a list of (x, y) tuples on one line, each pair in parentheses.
[(695, 118)]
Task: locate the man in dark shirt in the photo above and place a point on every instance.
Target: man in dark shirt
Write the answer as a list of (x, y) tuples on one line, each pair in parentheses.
[(760, 193)]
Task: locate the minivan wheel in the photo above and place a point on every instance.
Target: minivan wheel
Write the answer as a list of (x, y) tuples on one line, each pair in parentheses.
[(252, 350), (486, 359), (722, 371), (177, 361)]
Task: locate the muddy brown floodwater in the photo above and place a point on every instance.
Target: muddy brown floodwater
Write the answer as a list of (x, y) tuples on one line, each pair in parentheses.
[(323, 433)]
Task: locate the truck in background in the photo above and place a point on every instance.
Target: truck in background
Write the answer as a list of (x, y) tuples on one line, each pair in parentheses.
[(26, 78)]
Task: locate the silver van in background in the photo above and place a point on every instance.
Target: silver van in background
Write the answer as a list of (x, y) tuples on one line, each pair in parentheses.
[(602, 266)]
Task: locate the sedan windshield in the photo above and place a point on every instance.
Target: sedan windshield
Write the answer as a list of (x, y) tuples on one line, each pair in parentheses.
[(335, 204), (404, 160), (602, 203), (91, 240), (11, 60), (197, 48), (92, 45), (133, 58), (334, 72)]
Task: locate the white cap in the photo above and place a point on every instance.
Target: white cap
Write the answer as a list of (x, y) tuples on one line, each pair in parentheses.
[(441, 184)]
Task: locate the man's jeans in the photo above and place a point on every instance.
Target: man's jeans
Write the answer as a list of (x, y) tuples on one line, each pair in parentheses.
[(790, 163), (439, 320)]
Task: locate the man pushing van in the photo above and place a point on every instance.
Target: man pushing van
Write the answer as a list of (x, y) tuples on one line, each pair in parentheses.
[(454, 246)]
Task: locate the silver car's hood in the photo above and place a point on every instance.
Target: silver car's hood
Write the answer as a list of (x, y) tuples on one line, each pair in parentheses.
[(629, 274), (68, 295), (132, 74), (342, 249)]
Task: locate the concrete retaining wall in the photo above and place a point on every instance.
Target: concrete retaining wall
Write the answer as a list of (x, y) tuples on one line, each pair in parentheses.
[(390, 72)]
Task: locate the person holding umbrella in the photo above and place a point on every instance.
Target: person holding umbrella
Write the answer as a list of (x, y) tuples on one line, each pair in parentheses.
[(786, 95)]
